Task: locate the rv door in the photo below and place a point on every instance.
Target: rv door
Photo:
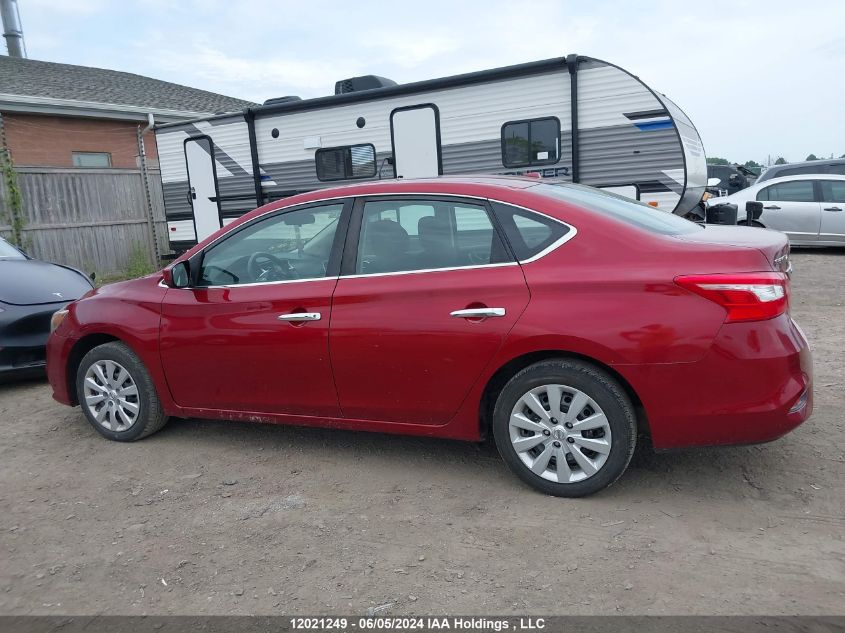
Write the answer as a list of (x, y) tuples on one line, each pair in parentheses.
[(202, 185), (415, 131)]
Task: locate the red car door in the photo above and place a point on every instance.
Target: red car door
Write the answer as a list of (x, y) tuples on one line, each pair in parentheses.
[(428, 294), (252, 332)]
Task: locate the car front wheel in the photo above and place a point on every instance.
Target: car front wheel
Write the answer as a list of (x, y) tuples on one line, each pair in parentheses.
[(565, 427), (117, 394)]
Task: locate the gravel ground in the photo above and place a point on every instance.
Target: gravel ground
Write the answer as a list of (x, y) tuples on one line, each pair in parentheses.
[(230, 518)]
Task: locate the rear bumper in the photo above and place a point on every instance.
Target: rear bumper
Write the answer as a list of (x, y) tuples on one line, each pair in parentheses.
[(58, 352), (754, 385)]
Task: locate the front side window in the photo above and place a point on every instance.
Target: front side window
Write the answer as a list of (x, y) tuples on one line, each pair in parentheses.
[(833, 190), (288, 246), (529, 234), (530, 143), (346, 163), (793, 191), (408, 235), (91, 159)]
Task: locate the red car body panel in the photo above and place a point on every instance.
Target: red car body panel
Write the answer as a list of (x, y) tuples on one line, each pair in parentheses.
[(386, 356), (393, 341), (233, 339)]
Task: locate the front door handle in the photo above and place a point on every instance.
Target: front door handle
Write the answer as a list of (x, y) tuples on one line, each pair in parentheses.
[(478, 313), (300, 316), (773, 206), (833, 209)]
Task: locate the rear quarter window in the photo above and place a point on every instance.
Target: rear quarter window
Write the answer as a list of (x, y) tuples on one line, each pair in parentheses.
[(528, 233)]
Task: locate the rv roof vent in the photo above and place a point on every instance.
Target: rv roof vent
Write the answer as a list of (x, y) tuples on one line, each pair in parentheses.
[(357, 84), (286, 99)]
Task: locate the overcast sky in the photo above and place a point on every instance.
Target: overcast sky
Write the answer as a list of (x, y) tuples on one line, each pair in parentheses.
[(757, 78)]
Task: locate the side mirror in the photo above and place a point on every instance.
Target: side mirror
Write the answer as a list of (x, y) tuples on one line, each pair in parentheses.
[(713, 182), (753, 209), (177, 276)]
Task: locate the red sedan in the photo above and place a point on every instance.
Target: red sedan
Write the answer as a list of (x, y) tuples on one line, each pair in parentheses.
[(562, 319)]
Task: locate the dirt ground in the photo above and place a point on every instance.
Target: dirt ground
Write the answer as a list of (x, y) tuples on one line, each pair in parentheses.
[(231, 518)]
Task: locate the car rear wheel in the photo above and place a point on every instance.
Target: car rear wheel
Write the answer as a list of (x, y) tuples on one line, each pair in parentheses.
[(117, 394), (565, 427)]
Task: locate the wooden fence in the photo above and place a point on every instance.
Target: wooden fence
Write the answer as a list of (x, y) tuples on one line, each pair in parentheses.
[(92, 219)]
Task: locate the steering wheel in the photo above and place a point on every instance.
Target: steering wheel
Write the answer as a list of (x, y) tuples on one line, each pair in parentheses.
[(263, 266)]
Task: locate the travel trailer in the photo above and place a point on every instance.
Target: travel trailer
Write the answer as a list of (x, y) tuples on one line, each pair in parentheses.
[(568, 119)]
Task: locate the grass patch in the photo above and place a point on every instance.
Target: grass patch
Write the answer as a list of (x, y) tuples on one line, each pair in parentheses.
[(138, 265)]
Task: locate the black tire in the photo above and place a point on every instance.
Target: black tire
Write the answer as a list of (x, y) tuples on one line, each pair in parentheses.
[(754, 223), (150, 416), (597, 385)]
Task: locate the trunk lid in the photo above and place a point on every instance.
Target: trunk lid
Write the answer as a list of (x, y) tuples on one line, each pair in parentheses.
[(774, 245)]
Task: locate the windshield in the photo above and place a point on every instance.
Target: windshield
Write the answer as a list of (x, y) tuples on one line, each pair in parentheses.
[(7, 251), (619, 207)]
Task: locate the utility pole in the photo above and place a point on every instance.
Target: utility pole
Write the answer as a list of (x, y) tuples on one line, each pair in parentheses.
[(12, 30)]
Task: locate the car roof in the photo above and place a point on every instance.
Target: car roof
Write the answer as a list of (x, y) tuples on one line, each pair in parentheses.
[(778, 179)]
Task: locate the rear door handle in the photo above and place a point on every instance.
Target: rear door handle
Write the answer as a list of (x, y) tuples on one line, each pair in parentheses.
[(774, 206), (300, 316), (833, 208), (478, 313)]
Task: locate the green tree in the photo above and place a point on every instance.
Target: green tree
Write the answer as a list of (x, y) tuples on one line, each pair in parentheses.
[(752, 163), (715, 160), (843, 156), (812, 157), (780, 161)]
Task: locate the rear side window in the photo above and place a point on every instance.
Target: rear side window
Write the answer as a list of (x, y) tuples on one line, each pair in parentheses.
[(529, 143), (346, 163), (426, 234), (529, 234), (619, 207), (833, 190), (795, 191), (805, 169)]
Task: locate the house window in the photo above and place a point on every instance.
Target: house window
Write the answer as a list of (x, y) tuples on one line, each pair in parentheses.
[(91, 159), (346, 163), (530, 143)]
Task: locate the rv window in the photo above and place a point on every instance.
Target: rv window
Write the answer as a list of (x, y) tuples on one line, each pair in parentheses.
[(530, 143), (528, 233), (346, 163)]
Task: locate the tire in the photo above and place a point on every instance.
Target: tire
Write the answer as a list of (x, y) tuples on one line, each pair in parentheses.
[(110, 372), (606, 421)]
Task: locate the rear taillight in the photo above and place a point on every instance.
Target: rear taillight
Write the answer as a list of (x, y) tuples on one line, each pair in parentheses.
[(745, 296)]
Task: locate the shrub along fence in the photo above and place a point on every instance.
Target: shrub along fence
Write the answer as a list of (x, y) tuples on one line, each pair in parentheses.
[(92, 219)]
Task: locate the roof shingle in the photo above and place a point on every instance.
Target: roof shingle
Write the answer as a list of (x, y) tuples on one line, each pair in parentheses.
[(29, 77)]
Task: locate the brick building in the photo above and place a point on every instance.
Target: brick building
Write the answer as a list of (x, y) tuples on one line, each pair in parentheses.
[(60, 115)]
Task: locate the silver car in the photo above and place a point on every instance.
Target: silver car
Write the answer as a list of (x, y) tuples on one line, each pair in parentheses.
[(809, 208)]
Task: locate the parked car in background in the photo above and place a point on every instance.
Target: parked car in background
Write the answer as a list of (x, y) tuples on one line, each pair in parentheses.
[(810, 209), (30, 292), (834, 166), (562, 319)]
